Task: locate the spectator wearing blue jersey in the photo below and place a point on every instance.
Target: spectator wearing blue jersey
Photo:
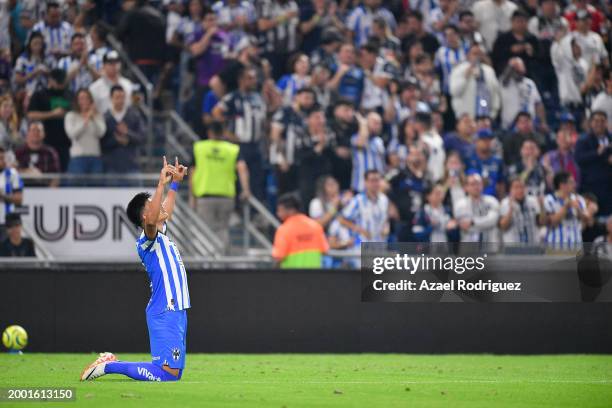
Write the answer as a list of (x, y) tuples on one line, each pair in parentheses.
[(487, 165), (166, 312), (236, 17), (594, 156), (57, 33), (566, 212), (367, 214), (360, 20), (79, 66), (348, 79), (368, 149), (462, 140), (446, 13), (289, 84), (11, 191), (33, 65), (449, 55), (99, 45)]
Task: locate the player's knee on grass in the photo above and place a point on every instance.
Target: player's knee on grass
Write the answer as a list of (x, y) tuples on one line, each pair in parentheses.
[(176, 372)]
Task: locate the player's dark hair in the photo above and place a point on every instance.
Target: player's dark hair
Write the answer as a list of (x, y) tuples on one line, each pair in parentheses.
[(135, 207), (290, 201), (561, 177)]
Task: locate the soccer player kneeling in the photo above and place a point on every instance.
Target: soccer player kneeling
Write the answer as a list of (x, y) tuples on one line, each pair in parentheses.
[(166, 311)]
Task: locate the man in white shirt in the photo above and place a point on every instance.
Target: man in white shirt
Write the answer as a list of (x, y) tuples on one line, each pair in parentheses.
[(473, 86), (111, 75), (477, 213), (571, 69), (493, 17), (520, 94), (591, 44), (435, 146)]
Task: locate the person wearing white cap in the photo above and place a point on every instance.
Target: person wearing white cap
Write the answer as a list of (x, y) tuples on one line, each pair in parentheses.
[(111, 75)]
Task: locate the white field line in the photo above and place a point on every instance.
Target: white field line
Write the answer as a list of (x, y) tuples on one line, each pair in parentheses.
[(366, 382)]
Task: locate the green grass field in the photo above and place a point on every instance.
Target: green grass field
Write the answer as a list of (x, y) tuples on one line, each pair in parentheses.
[(300, 380)]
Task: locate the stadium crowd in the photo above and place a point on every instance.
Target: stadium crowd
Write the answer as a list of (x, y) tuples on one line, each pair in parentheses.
[(407, 120)]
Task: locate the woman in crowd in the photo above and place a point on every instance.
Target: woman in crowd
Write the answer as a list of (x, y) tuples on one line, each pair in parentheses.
[(85, 127), (9, 124), (33, 65), (454, 179), (398, 147), (289, 84)]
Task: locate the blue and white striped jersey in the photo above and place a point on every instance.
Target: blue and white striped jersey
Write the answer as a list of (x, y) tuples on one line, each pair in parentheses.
[(10, 182), (371, 215), (446, 59), (360, 20), (163, 263), (568, 234), (83, 78), (57, 39), (25, 64), (369, 157)]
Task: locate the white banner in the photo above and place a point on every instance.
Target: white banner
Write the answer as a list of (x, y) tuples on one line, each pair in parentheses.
[(82, 222)]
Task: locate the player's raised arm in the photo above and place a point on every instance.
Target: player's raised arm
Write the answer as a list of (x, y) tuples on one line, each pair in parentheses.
[(151, 212), (177, 177)]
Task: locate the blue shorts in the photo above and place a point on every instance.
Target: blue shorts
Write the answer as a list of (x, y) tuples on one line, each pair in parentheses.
[(168, 338)]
